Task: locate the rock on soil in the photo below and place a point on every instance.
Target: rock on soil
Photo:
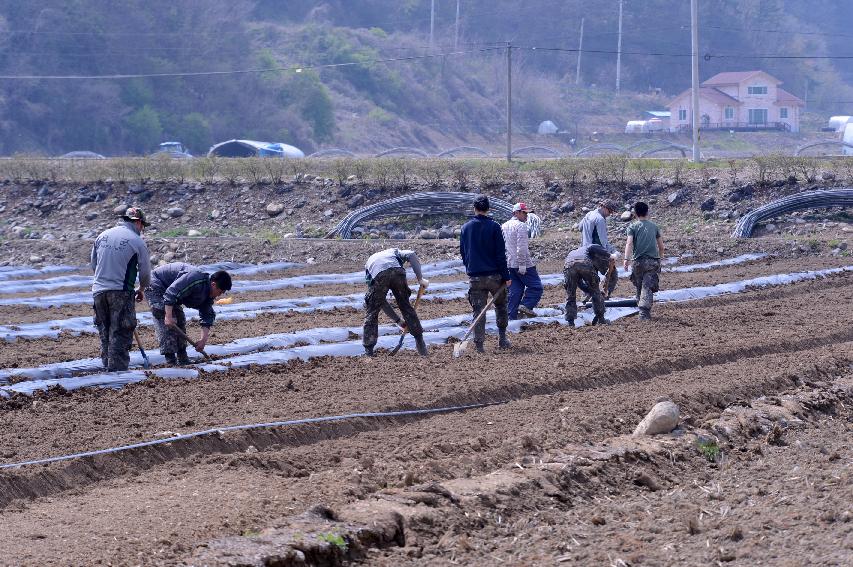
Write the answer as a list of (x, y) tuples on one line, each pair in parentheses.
[(662, 419), (275, 209)]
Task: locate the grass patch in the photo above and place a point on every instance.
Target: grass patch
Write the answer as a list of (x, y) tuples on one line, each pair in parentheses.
[(172, 232), (335, 539), (710, 450)]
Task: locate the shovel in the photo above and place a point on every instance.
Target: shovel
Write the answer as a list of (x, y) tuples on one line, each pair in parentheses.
[(145, 362), (406, 330), (460, 347), (186, 338)]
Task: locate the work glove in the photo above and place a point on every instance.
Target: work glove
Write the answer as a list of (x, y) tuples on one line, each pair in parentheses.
[(522, 270), (423, 282)]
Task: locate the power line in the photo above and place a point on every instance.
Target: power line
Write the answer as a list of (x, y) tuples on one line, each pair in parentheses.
[(294, 68)]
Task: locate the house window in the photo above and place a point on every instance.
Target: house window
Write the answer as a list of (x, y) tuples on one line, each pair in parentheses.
[(729, 113), (756, 90), (783, 113), (758, 116), (682, 114)]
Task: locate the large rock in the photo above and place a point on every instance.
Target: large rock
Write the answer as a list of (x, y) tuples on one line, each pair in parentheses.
[(175, 212), (662, 419), (445, 232), (708, 204), (355, 202), (274, 209), (120, 209), (625, 216), (428, 234), (676, 198)]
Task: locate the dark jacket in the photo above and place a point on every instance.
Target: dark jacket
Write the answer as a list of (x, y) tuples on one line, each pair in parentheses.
[(183, 284), (483, 249)]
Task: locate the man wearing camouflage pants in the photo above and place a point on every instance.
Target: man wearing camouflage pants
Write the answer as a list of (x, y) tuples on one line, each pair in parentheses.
[(118, 256), (484, 255), (384, 271), (581, 270), (645, 247), (173, 286)]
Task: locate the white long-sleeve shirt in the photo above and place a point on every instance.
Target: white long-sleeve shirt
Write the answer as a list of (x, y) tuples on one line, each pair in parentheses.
[(594, 230), (516, 239)]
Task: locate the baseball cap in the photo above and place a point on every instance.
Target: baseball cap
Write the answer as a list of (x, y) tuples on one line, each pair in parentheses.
[(134, 214), (521, 207), (609, 204)]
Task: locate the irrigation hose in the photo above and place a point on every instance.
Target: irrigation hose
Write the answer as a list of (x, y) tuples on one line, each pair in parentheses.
[(247, 427)]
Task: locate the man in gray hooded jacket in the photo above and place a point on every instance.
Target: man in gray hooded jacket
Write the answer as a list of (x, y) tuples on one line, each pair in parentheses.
[(119, 255)]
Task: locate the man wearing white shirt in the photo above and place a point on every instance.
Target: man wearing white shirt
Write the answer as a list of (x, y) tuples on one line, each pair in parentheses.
[(526, 289), (384, 271)]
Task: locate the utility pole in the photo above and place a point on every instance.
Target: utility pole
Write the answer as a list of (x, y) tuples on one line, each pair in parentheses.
[(619, 50), (580, 50), (432, 25), (509, 102), (456, 29), (694, 27)]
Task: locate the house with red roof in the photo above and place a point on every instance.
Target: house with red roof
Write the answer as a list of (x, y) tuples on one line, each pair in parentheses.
[(739, 100)]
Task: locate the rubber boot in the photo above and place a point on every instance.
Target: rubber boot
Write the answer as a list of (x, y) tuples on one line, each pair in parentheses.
[(503, 342), (645, 314), (369, 351), (171, 359), (479, 348), (183, 359), (421, 346)]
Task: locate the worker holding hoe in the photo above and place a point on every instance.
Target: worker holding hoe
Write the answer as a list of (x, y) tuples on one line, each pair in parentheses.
[(594, 231), (645, 247), (484, 255), (384, 271), (526, 289), (118, 256), (176, 285), (581, 270)]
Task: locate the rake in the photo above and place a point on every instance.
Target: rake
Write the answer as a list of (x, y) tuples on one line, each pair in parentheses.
[(460, 347), (421, 289)]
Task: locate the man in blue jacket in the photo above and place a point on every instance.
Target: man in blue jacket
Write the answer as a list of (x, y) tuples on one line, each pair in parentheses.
[(173, 286), (484, 255)]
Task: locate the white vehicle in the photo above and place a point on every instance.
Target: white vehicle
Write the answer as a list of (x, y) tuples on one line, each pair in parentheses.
[(644, 126), (837, 123), (635, 127)]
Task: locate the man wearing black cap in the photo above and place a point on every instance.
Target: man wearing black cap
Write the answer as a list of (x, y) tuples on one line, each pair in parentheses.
[(594, 231), (581, 270), (176, 285), (484, 255), (118, 256)]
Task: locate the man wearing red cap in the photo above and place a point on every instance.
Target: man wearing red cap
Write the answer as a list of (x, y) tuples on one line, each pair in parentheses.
[(526, 289)]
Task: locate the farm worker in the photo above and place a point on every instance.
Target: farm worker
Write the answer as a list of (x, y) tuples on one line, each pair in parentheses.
[(384, 271), (594, 231), (581, 270), (484, 255), (119, 255), (526, 289), (176, 285), (645, 247)]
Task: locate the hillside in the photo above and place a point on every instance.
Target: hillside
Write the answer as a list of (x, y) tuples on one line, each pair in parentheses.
[(347, 92)]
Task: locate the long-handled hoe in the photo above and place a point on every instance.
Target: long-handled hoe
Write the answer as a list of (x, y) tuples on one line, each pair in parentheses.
[(460, 347), (145, 362), (406, 330), (186, 338)]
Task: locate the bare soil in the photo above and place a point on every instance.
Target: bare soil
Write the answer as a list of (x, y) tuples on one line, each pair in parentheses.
[(562, 388)]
